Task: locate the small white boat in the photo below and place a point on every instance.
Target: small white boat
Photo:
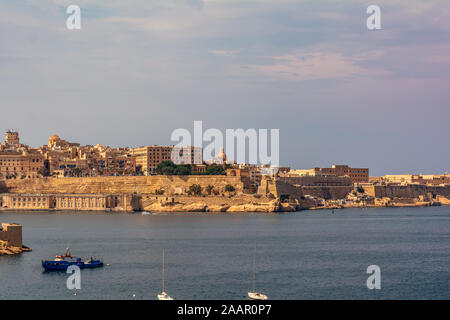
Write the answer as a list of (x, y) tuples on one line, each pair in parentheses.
[(146, 213), (253, 294), (163, 295), (257, 296)]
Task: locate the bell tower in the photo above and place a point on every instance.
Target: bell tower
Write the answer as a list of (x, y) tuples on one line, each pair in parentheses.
[(12, 138)]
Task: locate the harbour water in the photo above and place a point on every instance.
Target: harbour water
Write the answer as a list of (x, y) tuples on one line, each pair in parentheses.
[(303, 255)]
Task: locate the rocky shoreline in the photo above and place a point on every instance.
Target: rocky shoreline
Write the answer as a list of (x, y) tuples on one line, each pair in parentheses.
[(248, 203), (9, 251), (255, 204)]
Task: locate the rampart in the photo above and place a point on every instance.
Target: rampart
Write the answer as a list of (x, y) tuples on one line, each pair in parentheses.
[(298, 187), (120, 185), (407, 191), (11, 234)]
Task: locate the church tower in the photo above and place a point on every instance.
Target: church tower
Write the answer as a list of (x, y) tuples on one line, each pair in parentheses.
[(12, 138)]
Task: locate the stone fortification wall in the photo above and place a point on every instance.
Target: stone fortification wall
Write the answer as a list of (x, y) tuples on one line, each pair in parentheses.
[(120, 185), (11, 235), (409, 191), (286, 186), (317, 181)]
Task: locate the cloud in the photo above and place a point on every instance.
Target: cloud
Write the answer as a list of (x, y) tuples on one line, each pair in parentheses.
[(225, 52), (319, 65)]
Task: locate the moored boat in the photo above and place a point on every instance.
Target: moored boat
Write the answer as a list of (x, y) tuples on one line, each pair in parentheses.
[(254, 295), (257, 296), (163, 295), (62, 262)]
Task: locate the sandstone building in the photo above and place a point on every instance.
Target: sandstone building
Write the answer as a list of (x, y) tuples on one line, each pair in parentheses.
[(18, 160), (357, 175), (148, 158)]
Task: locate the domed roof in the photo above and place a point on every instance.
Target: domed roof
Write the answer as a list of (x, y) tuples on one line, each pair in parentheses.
[(221, 155), (55, 137)]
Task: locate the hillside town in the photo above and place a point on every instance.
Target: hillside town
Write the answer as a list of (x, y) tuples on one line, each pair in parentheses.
[(63, 175)]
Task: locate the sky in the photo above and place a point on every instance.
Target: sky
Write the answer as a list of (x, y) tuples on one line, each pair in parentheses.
[(139, 69)]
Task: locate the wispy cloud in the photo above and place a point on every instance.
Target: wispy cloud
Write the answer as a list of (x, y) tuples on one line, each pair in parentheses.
[(318, 65), (227, 53)]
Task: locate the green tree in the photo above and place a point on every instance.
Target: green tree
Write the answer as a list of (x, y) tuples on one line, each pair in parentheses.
[(195, 189), (76, 172), (215, 169), (229, 188), (183, 170), (209, 189), (169, 168), (43, 171)]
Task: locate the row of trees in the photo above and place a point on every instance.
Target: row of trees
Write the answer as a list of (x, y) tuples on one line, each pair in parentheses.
[(164, 168), (196, 189), (169, 168)]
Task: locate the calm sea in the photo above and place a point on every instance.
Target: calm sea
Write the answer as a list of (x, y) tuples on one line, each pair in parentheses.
[(303, 255)]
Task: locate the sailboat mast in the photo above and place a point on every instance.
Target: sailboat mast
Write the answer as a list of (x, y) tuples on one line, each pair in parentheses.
[(254, 268), (163, 272)]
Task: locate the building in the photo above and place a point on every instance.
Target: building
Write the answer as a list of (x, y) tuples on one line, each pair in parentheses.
[(405, 179), (20, 165), (357, 175), (12, 139), (56, 142), (305, 172), (76, 202), (65, 158), (187, 155), (432, 179), (148, 158)]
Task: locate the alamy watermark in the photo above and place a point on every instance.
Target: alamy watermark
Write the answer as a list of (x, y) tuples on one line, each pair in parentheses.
[(374, 280), (242, 146), (374, 20), (73, 22), (74, 280)]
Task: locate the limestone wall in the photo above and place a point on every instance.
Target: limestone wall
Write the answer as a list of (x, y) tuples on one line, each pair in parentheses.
[(317, 181), (328, 193), (283, 187), (11, 234), (120, 185), (409, 191)]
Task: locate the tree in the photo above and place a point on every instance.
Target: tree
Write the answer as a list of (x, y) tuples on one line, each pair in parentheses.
[(43, 171), (360, 189), (229, 188), (215, 169), (76, 172), (195, 189), (166, 167), (209, 189), (169, 168), (183, 170)]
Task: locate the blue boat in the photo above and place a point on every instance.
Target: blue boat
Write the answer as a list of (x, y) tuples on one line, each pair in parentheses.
[(61, 263)]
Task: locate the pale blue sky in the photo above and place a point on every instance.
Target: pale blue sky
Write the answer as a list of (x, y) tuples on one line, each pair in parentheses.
[(137, 70)]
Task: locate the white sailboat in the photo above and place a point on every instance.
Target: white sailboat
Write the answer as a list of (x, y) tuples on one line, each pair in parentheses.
[(253, 294), (163, 295)]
